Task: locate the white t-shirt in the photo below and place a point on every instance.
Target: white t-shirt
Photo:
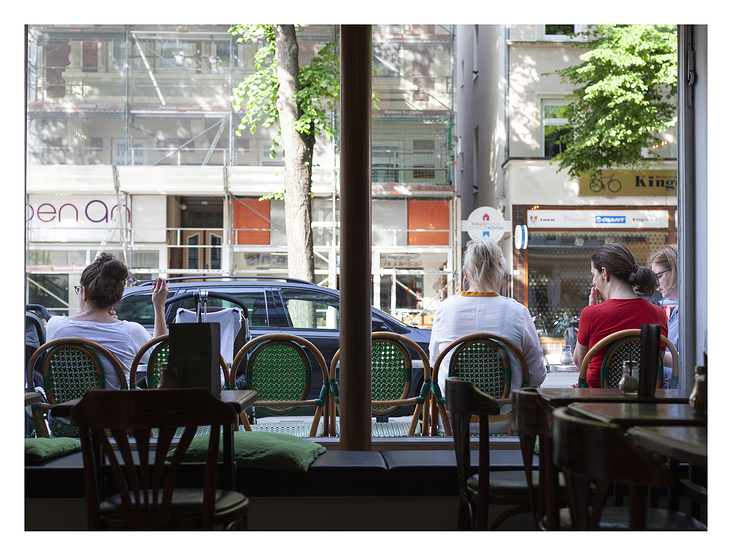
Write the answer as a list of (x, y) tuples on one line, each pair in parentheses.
[(473, 312), (124, 339)]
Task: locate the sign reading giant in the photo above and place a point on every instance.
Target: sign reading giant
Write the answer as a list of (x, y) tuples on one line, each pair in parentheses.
[(597, 218)]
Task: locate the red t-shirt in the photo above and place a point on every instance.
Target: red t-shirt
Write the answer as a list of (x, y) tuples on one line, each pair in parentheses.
[(599, 321)]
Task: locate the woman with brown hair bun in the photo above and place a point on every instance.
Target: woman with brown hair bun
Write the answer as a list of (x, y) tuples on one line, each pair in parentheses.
[(101, 286), (616, 278)]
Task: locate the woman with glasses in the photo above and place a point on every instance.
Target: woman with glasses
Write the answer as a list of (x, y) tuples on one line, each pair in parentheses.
[(664, 265), (616, 278), (102, 285)]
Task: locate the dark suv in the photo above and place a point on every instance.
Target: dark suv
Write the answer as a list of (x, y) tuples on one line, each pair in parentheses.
[(285, 305)]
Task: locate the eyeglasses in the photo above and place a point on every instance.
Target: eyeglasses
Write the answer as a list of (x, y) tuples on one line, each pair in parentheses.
[(77, 290), (658, 276)]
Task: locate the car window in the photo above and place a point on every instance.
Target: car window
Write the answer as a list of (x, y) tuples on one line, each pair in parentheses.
[(253, 299), (311, 309), (137, 307)]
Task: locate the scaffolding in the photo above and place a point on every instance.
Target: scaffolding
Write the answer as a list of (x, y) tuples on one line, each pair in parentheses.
[(125, 96)]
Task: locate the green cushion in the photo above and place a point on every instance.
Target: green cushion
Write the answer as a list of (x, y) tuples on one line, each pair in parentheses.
[(263, 450), (38, 449)]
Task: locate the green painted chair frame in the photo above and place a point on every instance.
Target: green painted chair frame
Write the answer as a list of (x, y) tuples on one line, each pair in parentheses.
[(594, 455), (625, 346), (391, 379), (70, 367), (468, 362), (160, 350), (278, 368), (118, 449)]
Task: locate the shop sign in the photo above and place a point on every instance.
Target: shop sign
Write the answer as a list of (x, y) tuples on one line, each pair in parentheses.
[(598, 218), (486, 221), (622, 183)]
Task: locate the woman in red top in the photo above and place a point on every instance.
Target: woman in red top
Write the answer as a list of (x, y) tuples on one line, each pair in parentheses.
[(616, 278)]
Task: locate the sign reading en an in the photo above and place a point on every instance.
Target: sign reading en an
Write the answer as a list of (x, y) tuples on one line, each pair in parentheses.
[(615, 183)]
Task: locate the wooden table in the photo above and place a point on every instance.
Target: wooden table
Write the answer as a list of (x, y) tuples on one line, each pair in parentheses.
[(559, 397), (240, 400), (631, 414), (682, 443)]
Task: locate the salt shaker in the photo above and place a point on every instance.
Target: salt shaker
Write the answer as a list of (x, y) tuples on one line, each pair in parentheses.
[(629, 382), (698, 396)]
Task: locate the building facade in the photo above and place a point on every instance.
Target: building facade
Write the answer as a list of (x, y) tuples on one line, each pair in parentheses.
[(503, 160), (132, 149)]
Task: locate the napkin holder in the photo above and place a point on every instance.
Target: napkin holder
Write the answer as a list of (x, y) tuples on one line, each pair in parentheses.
[(650, 347)]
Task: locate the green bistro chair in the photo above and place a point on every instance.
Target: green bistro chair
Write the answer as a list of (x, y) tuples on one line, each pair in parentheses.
[(71, 367), (483, 360), (159, 349), (279, 369), (624, 345), (391, 379)]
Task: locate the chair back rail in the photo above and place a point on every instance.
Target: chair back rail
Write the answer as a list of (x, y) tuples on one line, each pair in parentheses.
[(624, 344), (481, 358)]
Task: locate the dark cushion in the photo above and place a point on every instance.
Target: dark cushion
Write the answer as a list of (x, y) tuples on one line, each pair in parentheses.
[(39, 449), (263, 450)]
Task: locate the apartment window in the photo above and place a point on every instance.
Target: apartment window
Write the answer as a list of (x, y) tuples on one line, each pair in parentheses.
[(553, 122), (561, 32)]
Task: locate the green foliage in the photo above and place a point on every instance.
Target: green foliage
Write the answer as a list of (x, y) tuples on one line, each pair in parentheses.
[(319, 87), (626, 95)]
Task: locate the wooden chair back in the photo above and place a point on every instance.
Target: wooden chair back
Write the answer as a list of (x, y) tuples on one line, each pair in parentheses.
[(463, 400), (117, 427), (70, 368), (532, 419), (482, 359), (391, 378), (622, 346), (277, 366), (591, 452)]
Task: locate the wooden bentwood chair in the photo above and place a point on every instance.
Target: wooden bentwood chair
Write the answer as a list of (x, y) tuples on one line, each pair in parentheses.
[(159, 352), (71, 367), (532, 419), (391, 379), (624, 345), (595, 454), (482, 359), (477, 492), (146, 497), (277, 366)]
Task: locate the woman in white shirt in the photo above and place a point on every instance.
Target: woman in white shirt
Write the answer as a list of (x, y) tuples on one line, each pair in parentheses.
[(482, 309), (102, 285)]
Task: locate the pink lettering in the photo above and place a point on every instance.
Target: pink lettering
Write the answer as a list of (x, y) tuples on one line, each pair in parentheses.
[(104, 218), (43, 212)]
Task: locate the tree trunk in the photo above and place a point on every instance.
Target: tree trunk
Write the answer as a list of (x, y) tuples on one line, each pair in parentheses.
[(298, 157)]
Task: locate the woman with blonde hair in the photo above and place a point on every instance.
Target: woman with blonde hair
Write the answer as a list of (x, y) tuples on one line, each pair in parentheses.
[(664, 264), (482, 309)]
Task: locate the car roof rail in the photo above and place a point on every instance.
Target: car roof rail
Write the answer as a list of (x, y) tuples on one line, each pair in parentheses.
[(231, 278)]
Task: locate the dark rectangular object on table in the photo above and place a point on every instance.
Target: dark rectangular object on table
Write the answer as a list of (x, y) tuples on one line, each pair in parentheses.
[(194, 355)]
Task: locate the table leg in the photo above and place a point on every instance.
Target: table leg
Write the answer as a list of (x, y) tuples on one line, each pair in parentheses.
[(229, 463)]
